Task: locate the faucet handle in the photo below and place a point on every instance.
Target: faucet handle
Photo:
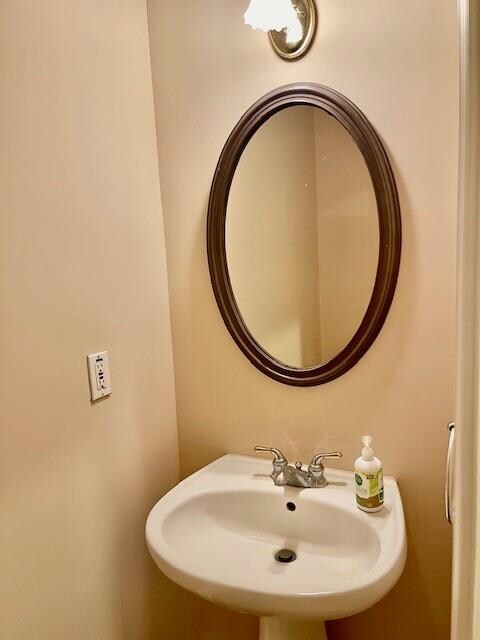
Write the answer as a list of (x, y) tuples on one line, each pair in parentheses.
[(280, 465), (316, 462), (278, 455)]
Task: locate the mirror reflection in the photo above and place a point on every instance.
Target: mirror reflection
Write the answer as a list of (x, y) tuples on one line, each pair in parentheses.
[(302, 236)]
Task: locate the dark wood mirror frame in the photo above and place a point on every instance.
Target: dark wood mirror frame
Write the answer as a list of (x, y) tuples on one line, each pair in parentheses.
[(389, 220)]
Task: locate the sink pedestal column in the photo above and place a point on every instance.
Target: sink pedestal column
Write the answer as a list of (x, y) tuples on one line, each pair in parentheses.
[(275, 628)]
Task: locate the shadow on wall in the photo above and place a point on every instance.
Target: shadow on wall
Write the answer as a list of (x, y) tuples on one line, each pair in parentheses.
[(195, 619), (415, 620)]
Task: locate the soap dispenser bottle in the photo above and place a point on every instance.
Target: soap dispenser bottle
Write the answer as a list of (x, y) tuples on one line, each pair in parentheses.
[(369, 479)]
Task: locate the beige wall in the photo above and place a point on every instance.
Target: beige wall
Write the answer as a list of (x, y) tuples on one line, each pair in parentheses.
[(398, 62), (83, 269), (271, 238)]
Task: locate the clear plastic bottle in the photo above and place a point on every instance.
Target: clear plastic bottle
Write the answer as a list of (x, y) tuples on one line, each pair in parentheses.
[(369, 479)]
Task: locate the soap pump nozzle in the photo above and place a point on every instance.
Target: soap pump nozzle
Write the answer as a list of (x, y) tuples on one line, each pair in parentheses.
[(367, 451)]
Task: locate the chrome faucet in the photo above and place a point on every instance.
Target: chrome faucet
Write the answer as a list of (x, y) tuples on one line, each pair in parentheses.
[(295, 476)]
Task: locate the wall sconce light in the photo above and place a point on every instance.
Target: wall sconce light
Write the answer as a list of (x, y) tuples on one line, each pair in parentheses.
[(291, 24)]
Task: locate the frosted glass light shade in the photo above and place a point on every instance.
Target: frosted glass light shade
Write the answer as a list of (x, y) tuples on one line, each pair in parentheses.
[(291, 24), (272, 15), (294, 32)]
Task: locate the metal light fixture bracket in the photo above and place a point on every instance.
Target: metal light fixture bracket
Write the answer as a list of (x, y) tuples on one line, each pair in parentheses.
[(307, 14)]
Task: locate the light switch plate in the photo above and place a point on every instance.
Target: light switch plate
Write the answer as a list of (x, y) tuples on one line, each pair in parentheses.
[(99, 375)]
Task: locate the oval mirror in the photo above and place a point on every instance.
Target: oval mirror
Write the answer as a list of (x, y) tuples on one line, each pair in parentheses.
[(304, 234)]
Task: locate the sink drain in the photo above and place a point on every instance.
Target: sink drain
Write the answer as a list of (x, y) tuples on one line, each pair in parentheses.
[(285, 555)]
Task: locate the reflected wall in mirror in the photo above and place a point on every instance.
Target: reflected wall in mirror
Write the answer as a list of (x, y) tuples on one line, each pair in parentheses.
[(304, 234)]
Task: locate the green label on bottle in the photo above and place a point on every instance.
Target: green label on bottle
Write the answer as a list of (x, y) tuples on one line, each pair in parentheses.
[(369, 489)]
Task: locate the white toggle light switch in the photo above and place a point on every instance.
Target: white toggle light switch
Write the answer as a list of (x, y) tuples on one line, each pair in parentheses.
[(99, 375)]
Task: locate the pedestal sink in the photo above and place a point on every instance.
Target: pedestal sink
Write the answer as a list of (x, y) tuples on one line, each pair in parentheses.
[(294, 557)]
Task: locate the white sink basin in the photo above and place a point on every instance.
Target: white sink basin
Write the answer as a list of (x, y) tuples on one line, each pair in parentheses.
[(217, 533)]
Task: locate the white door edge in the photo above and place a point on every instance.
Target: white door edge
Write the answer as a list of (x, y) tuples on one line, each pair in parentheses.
[(464, 614)]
